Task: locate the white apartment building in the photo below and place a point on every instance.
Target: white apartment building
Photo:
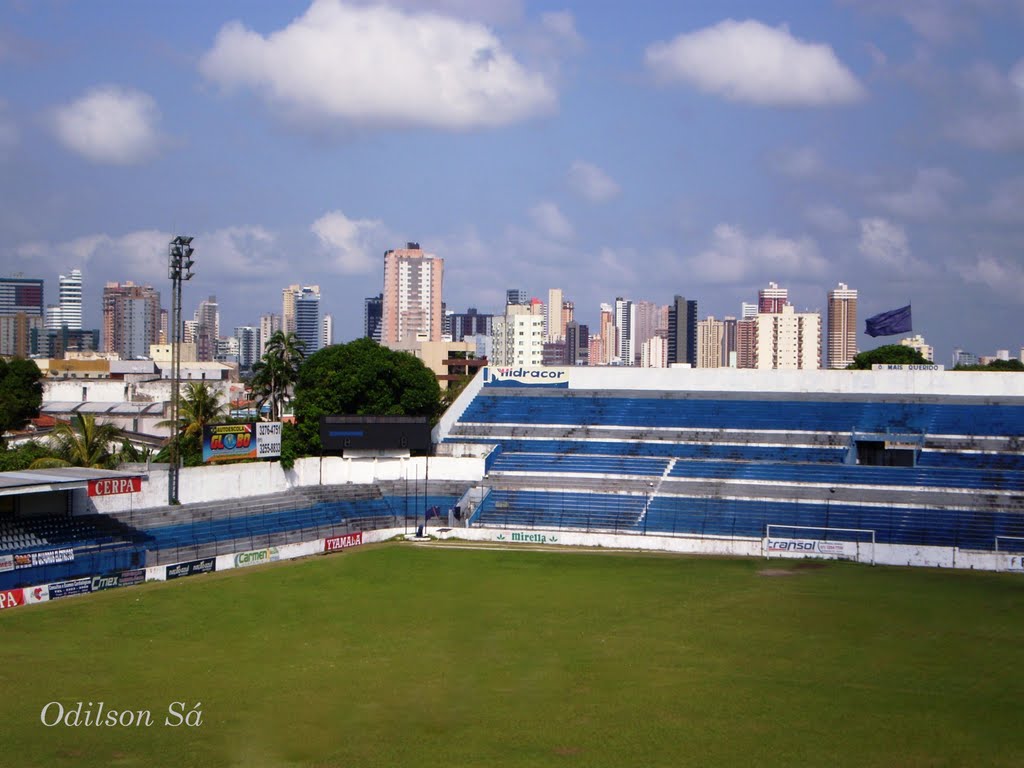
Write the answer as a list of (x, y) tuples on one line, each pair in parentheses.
[(787, 340), (518, 338)]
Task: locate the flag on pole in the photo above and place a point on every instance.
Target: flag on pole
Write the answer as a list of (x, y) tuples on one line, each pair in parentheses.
[(889, 323)]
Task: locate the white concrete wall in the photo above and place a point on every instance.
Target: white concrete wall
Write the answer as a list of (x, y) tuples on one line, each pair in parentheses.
[(237, 481), (740, 380)]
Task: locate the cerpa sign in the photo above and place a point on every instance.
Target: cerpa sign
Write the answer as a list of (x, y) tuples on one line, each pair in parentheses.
[(113, 485)]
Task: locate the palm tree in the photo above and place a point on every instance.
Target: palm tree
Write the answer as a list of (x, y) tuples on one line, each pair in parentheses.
[(277, 371), (84, 443), (199, 405)]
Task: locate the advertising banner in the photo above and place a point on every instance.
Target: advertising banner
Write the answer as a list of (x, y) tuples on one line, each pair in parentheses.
[(49, 557), (345, 541), (10, 598), (811, 548), (123, 579), (257, 557), (61, 589), (113, 485), (38, 594), (190, 568), (525, 377), (222, 442), (268, 439), (6, 563)]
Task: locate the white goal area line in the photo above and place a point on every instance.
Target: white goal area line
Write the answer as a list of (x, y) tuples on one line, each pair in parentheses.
[(815, 546)]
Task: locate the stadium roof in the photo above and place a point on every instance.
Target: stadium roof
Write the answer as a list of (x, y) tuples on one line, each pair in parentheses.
[(60, 479)]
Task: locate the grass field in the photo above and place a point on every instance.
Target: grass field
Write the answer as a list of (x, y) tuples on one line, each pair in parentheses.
[(399, 655)]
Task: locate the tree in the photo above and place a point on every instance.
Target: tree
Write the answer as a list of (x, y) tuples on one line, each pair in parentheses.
[(21, 393), (995, 365), (199, 405), (274, 376), (83, 443), (361, 378), (889, 354)]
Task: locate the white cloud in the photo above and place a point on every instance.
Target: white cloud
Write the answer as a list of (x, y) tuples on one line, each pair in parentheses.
[(380, 66), (750, 62), (1007, 201), (828, 218), (995, 119), (592, 183), (885, 245), (561, 26), (927, 196), (999, 275), (110, 124), (348, 241), (732, 256), (551, 221), (800, 163)]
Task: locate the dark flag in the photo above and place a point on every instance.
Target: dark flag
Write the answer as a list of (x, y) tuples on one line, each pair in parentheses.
[(889, 323), (434, 511)]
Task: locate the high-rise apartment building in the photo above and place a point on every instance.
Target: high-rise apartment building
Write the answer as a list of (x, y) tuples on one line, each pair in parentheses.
[(288, 307), (609, 337), (918, 343), (648, 319), (21, 334), (577, 343), (21, 294), (207, 329), (373, 314), (412, 295), (248, 345), (516, 296), (625, 319), (842, 326), (308, 325), (470, 323), (729, 353), (518, 338), (746, 342), (682, 332), (554, 328), (70, 292), (787, 340), (654, 352), (327, 331), (710, 333), (269, 325), (772, 299), (131, 319)]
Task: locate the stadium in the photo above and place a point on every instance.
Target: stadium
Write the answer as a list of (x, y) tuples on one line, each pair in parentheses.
[(529, 599)]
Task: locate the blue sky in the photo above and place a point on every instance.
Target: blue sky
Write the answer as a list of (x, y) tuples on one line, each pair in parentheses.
[(609, 149)]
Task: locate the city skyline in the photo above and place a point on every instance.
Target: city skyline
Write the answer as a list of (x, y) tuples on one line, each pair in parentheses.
[(607, 151)]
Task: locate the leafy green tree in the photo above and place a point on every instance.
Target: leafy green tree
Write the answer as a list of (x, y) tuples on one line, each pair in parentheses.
[(361, 378), (21, 393), (995, 365), (14, 458), (83, 443), (889, 354), (199, 405), (275, 375)]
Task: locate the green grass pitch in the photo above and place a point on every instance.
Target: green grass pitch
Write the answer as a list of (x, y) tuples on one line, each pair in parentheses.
[(402, 655)]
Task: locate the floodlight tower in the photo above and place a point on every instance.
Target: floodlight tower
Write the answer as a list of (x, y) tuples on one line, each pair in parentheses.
[(179, 268)]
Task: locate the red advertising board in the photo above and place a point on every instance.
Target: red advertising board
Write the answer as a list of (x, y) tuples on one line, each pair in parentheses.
[(335, 543), (9, 598), (111, 485)]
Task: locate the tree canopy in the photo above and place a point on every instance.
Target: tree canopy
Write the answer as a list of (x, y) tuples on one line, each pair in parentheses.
[(83, 443), (995, 365), (889, 354), (361, 378), (21, 393), (274, 376)]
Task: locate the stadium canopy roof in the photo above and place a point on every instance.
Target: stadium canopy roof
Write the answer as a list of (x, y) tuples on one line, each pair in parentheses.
[(61, 479)]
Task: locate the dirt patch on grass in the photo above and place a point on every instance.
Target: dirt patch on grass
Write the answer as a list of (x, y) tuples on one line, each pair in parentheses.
[(796, 569)]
